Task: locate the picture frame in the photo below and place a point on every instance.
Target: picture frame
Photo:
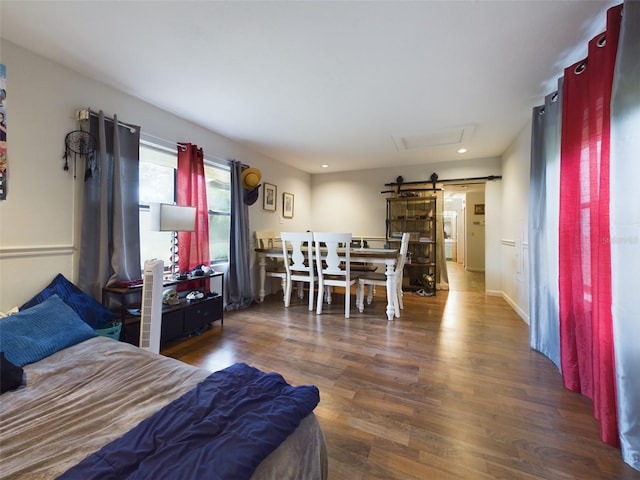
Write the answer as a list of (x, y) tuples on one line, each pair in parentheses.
[(269, 196), (478, 209), (287, 205)]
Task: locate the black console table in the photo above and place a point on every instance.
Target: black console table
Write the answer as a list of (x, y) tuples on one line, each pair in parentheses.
[(178, 321)]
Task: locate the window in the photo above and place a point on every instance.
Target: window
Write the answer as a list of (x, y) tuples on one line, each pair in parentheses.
[(157, 185), (219, 204)]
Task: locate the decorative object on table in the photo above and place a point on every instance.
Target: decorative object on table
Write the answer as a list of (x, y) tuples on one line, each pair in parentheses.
[(3, 132), (194, 295), (269, 196), (79, 143), (287, 205), (251, 177), (200, 270), (173, 218), (170, 297)]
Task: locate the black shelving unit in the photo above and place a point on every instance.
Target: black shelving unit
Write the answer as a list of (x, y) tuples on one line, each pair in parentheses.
[(178, 321), (413, 210)]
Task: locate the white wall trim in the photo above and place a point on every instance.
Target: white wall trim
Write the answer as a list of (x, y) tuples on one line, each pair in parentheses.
[(37, 251), (521, 313), (507, 242)]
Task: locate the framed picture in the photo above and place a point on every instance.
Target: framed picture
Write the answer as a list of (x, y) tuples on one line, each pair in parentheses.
[(478, 209), (269, 195), (287, 205)]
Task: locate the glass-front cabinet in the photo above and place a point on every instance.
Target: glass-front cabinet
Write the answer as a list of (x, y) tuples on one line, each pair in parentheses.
[(414, 211)]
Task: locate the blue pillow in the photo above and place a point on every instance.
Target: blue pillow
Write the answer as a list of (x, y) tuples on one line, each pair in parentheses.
[(40, 331), (87, 308)]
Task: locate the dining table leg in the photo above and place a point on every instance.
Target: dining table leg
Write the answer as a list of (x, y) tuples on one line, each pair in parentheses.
[(392, 304), (262, 264)]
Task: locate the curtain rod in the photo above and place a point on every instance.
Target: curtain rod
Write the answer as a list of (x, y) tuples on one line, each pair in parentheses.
[(147, 136), (84, 114), (166, 142)]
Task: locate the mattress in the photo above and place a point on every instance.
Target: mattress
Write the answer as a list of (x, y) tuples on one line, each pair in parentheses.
[(83, 397)]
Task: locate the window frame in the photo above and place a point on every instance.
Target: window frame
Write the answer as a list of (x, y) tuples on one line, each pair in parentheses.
[(211, 213)]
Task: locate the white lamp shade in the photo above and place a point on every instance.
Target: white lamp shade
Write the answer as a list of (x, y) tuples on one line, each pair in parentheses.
[(172, 218)]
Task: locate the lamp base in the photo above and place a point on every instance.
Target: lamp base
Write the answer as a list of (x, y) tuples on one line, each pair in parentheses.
[(173, 258)]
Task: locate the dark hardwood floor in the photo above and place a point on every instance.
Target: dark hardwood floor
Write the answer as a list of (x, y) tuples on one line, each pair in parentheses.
[(451, 390)]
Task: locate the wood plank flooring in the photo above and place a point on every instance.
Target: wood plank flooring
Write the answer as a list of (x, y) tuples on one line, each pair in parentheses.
[(451, 390)]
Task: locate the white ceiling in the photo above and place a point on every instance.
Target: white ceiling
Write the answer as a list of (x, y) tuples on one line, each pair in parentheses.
[(311, 82)]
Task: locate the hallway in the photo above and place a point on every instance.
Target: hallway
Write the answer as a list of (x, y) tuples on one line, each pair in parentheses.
[(461, 280)]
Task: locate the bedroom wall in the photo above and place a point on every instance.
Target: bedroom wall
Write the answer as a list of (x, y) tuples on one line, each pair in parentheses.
[(514, 244), (39, 221)]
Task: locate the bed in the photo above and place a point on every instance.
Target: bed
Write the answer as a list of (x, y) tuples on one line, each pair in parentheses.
[(93, 407)]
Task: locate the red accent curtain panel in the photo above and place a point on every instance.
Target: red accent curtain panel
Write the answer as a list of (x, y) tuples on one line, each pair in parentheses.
[(586, 335), (192, 191)]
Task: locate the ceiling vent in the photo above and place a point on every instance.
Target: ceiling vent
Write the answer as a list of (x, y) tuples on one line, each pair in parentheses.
[(439, 138)]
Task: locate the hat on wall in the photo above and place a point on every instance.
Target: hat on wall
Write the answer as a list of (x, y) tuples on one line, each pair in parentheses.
[(251, 178), (251, 196)]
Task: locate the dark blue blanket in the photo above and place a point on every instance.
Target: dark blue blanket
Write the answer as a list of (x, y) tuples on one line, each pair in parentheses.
[(222, 429)]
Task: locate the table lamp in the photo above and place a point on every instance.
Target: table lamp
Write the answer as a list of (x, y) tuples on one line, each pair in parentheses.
[(173, 218)]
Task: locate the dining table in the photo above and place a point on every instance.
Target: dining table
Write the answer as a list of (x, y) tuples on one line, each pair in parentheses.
[(386, 256)]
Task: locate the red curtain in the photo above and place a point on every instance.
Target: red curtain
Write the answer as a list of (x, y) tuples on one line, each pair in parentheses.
[(586, 332), (193, 247)]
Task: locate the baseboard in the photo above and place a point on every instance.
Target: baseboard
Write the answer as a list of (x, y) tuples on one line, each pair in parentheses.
[(521, 313)]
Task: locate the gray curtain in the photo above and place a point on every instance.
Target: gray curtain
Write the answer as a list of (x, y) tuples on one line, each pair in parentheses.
[(544, 204), (110, 243), (239, 288), (625, 230)]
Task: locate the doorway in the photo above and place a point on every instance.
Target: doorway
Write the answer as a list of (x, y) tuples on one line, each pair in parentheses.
[(464, 234)]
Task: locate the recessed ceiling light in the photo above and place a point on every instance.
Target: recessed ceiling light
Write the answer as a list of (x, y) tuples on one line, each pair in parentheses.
[(324, 165), (462, 150)]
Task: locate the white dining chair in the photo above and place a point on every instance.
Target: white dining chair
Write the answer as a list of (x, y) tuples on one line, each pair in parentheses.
[(297, 249), (333, 266), (274, 268), (371, 279)]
